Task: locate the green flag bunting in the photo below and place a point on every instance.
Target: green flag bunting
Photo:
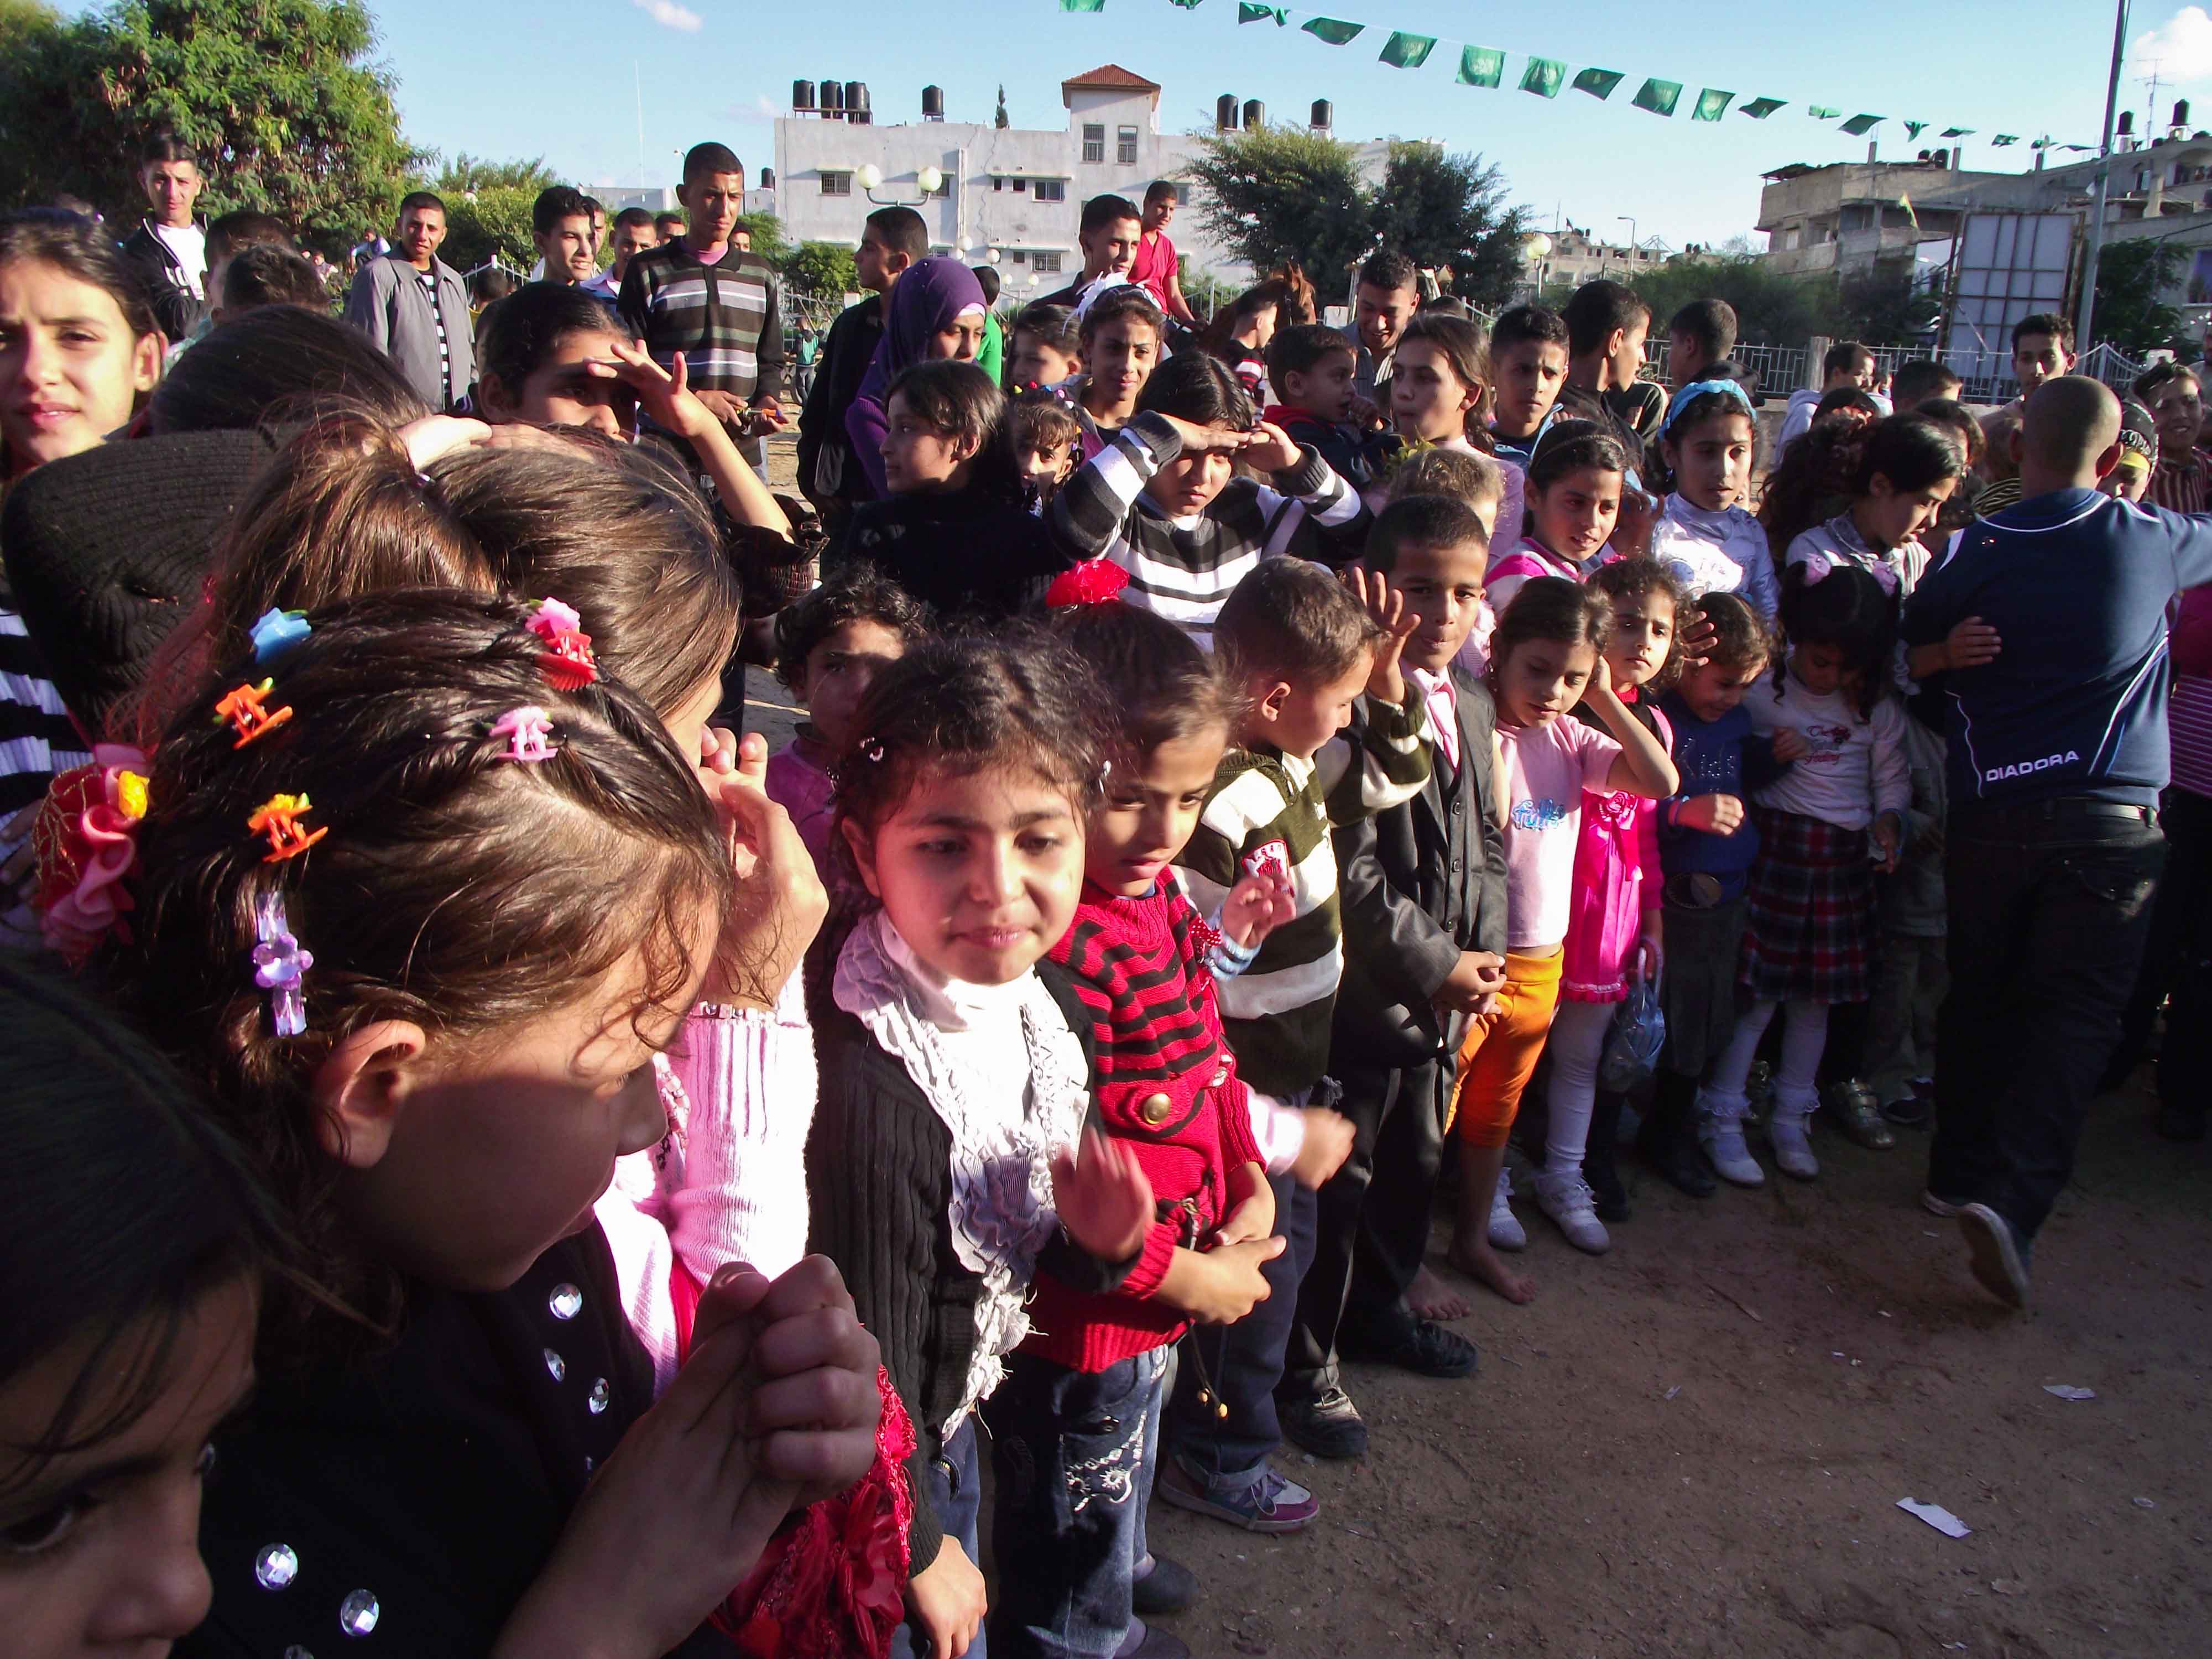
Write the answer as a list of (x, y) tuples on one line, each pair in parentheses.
[(1187, 5), (1759, 108), (1336, 33), (1859, 125), (1543, 76), (1914, 129), (1480, 66), (1403, 50), (1251, 11), (1821, 111), (1598, 83), (1955, 132), (2004, 138), (1083, 5), (1711, 104), (1658, 96)]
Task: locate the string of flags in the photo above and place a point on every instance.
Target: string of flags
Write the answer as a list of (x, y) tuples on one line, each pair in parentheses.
[(1547, 77)]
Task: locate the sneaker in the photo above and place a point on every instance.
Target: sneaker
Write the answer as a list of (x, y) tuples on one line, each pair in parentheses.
[(1942, 1207), (1720, 1131), (1565, 1197), (1506, 1232), (1168, 1588), (1327, 1427), (1914, 1111), (1789, 1131), (1423, 1347), (1269, 1504), (1999, 1261), (1856, 1112)]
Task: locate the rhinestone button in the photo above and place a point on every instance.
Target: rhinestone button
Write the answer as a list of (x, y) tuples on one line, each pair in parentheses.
[(1154, 1108), (556, 1365), (566, 1302), (358, 1614), (277, 1566), (599, 1396)]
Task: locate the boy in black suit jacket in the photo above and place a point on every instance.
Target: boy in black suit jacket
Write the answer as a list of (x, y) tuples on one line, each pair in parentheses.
[(1423, 896)]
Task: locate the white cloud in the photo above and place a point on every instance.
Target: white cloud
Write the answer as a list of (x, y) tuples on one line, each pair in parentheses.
[(669, 14), (2181, 48)]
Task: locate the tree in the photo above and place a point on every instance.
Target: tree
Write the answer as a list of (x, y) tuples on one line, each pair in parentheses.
[(823, 268), (492, 223), (1205, 294), (767, 232), (1771, 309), (1449, 210), (1001, 119), (280, 96), (1278, 193), (1888, 304), (465, 173), (2133, 278)]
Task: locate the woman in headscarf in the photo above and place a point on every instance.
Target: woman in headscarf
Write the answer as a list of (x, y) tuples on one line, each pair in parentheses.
[(936, 312)]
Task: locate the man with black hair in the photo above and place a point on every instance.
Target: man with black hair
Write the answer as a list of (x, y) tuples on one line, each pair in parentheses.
[(1921, 380), (1847, 364), (169, 247), (1702, 334), (892, 239), (633, 234), (416, 308), (1607, 327), (228, 236), (1384, 300), (991, 356), (560, 226), (668, 226), (1110, 229), (1157, 265)]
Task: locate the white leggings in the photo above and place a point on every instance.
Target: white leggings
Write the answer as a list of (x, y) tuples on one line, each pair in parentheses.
[(1576, 1045), (1803, 1035)]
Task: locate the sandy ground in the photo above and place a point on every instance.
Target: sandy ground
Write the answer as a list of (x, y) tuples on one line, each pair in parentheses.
[(1694, 1446)]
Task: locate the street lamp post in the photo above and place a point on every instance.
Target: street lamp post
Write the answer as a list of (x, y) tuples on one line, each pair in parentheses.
[(869, 177)]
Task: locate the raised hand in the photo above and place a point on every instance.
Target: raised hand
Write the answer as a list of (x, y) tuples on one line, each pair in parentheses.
[(1103, 1197), (781, 900), (1256, 906), (1386, 681)]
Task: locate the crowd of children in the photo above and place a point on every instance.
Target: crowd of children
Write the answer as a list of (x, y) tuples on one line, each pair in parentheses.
[(636, 1174)]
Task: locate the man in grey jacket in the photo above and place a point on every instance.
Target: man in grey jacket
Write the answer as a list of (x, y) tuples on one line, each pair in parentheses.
[(415, 306)]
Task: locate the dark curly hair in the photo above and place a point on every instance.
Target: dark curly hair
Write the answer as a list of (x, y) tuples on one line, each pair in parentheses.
[(858, 593), (1159, 685), (1813, 477), (1639, 578)]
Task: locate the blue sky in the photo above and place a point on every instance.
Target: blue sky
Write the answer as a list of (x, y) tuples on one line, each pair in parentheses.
[(556, 78)]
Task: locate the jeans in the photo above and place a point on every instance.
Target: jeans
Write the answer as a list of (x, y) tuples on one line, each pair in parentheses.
[(1243, 1362), (955, 1497), (1072, 1456), (2049, 907)]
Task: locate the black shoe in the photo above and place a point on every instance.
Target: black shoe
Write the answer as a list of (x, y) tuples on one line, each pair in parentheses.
[(1421, 1346), (1170, 1588), (1327, 1427), (1911, 1113), (2178, 1121), (1674, 1157), (1160, 1644), (1600, 1173), (1999, 1255)]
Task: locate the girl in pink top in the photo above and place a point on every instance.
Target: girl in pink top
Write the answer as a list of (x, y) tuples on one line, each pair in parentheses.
[(1576, 476), (1547, 661), (1614, 931)]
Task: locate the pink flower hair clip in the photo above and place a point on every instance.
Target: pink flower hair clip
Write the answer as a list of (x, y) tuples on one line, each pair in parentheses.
[(567, 660), (528, 730)]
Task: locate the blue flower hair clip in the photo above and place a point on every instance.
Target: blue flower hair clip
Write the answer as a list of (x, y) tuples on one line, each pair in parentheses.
[(280, 965), (277, 632)]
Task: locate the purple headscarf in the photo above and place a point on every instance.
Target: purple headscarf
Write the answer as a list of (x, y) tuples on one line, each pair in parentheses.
[(926, 299)]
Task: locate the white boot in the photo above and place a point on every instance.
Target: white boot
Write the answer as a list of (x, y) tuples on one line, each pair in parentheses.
[(1506, 1232), (1788, 1130), (1720, 1131), (1565, 1197)]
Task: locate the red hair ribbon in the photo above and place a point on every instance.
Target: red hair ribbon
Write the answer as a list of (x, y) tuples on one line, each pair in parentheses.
[(1094, 581)]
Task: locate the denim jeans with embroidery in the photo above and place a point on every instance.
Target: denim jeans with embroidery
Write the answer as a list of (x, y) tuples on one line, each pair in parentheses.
[(1071, 1458), (955, 1497)]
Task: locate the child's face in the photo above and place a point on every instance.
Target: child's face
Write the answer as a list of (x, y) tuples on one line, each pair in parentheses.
[(1428, 399), (1298, 718), (1122, 353), (2035, 359), (917, 456), (1575, 516), (959, 339), (1188, 483), (2177, 410), (840, 668), (1712, 689), (1685, 358), (1443, 585), (1711, 461), (1823, 670), (1325, 389), (1642, 632), (1892, 517), (102, 1542), (1529, 374), (1540, 680), (712, 202), (563, 390), (1149, 813), (980, 871), (1037, 362), (1045, 467), (70, 370), (568, 249)]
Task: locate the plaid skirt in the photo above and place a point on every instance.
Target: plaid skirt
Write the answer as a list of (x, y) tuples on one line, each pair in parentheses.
[(1808, 919)]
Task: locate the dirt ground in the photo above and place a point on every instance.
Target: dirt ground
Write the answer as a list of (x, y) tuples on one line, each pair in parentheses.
[(1694, 1446)]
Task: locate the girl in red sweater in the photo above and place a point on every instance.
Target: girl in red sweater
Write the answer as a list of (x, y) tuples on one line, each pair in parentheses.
[(1075, 1422)]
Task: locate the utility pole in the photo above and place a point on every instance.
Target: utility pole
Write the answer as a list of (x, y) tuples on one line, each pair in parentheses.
[(2083, 339)]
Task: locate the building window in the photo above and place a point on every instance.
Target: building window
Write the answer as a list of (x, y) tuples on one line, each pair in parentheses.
[(837, 184), (1052, 190), (997, 183), (1021, 256), (1094, 143), (1045, 265), (1021, 184), (1125, 147)]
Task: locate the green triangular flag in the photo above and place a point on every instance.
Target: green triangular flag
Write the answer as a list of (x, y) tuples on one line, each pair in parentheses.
[(1658, 96), (1955, 132), (1251, 11), (1543, 76), (1083, 5), (1711, 104), (1329, 29), (1759, 108), (2078, 147), (1187, 5), (1821, 111), (1407, 50), (1598, 83), (1914, 129), (2004, 138), (2043, 142), (1859, 125), (1480, 66)]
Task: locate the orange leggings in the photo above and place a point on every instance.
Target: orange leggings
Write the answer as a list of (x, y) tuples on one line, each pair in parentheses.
[(1501, 1050)]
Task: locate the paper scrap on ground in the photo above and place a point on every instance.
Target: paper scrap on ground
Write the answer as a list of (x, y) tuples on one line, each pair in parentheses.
[(1937, 1516), (2068, 1391)]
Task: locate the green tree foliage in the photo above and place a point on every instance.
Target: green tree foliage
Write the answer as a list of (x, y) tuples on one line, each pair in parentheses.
[(1770, 309), (282, 98), (2133, 278), (1449, 210), (465, 173), (1205, 294), (487, 224), (823, 268), (1887, 305), (769, 240)]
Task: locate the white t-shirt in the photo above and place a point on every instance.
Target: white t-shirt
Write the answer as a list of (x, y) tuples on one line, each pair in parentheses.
[(1853, 768), (189, 244), (1548, 770)]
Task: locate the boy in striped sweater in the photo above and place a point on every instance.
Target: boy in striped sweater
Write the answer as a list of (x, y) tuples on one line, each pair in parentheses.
[(1302, 646), (1161, 501)]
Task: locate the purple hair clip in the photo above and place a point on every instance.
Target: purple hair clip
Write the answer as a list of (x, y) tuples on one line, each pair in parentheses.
[(280, 965), (526, 730)]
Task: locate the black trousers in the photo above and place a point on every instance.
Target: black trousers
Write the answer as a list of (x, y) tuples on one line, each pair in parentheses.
[(2050, 906), (2176, 940), (1371, 1218)]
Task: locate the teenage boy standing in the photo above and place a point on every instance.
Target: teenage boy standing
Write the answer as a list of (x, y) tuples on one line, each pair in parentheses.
[(1110, 229), (1384, 300), (1156, 264), (416, 308), (1606, 328), (1847, 364), (633, 234), (169, 247), (893, 239)]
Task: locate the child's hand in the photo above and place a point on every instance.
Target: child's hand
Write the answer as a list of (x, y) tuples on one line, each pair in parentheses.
[(781, 900), (1970, 643), (1252, 1219), (1717, 815), (1366, 415), (437, 435), (1255, 907), (1651, 946), (1103, 1197), (1386, 681), (1208, 440), (1221, 1286), (948, 1601), (1889, 834), (1789, 743), (1477, 975), (1632, 530), (1271, 449), (660, 393), (1328, 1144), (814, 1413), (1694, 636)]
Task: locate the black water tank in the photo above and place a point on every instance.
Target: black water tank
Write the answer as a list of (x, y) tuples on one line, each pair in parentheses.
[(768, 179), (2181, 113), (802, 94), (2127, 124), (832, 94), (1942, 158), (1224, 113), (932, 103), (856, 97), (1255, 114), (1323, 114)]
